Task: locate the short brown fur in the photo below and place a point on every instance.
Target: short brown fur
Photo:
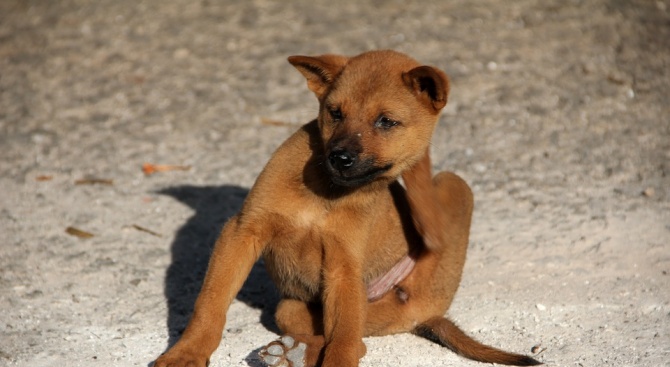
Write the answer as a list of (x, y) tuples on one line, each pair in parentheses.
[(329, 216)]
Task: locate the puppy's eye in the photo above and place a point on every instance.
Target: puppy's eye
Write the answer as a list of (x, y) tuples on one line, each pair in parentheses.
[(335, 114), (385, 123)]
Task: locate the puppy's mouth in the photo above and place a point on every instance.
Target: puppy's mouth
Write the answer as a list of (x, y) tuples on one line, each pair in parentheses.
[(358, 175)]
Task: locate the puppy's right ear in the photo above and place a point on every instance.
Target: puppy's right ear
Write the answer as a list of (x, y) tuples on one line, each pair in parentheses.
[(320, 71), (430, 84)]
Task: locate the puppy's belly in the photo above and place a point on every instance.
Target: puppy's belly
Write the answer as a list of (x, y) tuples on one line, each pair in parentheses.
[(296, 270), (295, 267)]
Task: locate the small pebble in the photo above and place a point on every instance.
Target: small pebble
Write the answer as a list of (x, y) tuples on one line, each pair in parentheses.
[(181, 53), (541, 307), (479, 168), (649, 192)]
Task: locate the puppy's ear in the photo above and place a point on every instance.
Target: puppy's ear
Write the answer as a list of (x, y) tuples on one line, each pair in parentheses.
[(430, 84), (320, 71)]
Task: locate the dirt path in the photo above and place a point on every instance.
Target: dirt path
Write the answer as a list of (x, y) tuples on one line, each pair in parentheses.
[(559, 118)]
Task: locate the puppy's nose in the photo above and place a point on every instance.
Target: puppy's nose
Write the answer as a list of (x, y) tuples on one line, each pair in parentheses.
[(341, 159)]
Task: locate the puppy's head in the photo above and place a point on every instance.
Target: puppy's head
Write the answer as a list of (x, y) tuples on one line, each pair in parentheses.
[(377, 112)]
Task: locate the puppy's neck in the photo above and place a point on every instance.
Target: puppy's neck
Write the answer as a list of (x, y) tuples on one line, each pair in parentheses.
[(366, 196)]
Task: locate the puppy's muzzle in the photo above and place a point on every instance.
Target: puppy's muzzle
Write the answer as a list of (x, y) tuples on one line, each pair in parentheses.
[(342, 159), (349, 169)]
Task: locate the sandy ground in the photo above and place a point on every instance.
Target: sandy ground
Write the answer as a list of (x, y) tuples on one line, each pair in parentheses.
[(559, 118)]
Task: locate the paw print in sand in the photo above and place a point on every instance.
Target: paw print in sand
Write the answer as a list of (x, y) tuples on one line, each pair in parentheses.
[(284, 352)]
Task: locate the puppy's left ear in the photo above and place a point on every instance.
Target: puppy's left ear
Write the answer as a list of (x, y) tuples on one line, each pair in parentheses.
[(429, 84), (320, 71)]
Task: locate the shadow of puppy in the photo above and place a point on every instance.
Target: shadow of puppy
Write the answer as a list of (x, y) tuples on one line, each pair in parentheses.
[(191, 249)]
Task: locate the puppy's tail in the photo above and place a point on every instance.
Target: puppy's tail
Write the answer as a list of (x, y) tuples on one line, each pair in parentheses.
[(445, 333)]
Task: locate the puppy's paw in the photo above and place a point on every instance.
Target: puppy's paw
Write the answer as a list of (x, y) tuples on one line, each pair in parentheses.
[(284, 352), (172, 360)]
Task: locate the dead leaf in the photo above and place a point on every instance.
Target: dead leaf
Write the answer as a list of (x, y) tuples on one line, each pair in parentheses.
[(150, 169), (78, 232)]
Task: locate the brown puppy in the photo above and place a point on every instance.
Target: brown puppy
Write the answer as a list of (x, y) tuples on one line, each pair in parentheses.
[(352, 252)]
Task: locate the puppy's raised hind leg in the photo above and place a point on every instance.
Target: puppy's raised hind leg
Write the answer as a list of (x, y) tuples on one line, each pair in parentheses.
[(427, 215)]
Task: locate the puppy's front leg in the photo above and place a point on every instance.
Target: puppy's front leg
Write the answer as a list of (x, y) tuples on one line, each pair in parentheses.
[(344, 301), (234, 254)]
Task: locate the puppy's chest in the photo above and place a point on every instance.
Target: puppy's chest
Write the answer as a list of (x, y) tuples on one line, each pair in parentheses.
[(296, 254), (294, 258)]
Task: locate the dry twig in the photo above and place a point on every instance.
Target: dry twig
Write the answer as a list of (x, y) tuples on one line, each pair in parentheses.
[(146, 230), (94, 181)]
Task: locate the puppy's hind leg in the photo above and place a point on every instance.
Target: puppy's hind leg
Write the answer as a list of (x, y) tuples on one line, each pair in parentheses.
[(455, 199)]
